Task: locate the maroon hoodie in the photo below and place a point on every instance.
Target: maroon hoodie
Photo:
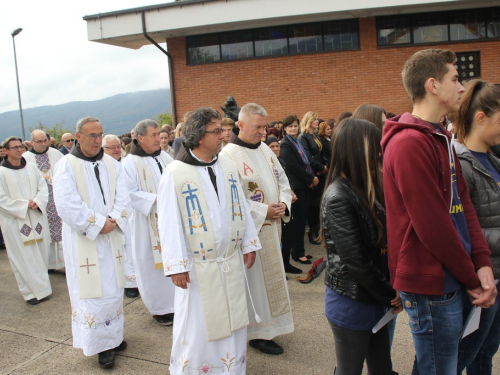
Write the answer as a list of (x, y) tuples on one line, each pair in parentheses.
[(421, 236)]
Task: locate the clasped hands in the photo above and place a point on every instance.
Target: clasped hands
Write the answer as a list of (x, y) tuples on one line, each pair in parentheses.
[(275, 211), (485, 295), (109, 226)]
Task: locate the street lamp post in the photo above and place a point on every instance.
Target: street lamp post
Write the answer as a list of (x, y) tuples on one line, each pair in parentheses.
[(14, 33)]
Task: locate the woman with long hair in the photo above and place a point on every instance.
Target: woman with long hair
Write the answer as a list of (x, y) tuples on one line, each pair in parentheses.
[(372, 113), (302, 179), (324, 135), (314, 150), (357, 275), (477, 128)]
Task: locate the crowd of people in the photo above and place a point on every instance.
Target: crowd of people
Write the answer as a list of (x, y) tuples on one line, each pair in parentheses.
[(203, 220)]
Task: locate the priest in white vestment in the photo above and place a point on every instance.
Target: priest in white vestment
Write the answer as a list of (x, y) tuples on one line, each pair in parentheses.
[(45, 159), (23, 200), (112, 146), (143, 167), (269, 195), (207, 237), (91, 198)]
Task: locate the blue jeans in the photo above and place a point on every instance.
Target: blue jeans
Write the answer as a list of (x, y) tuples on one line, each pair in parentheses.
[(477, 349), (435, 323)]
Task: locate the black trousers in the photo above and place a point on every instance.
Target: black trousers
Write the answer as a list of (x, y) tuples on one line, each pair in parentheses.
[(299, 217), (353, 347)]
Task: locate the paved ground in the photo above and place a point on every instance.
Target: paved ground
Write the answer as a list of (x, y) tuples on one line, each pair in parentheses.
[(37, 339)]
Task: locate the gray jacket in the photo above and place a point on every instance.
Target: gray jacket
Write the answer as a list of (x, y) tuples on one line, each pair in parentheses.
[(485, 196)]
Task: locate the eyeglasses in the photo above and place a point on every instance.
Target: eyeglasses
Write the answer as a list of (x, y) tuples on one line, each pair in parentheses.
[(41, 141), (69, 140), (94, 136), (16, 147), (215, 131), (112, 147)]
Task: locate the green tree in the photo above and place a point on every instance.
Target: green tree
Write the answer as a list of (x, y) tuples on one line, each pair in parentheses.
[(164, 118), (56, 131)]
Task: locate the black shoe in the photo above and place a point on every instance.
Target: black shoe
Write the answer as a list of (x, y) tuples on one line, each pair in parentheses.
[(309, 256), (164, 320), (51, 271), (292, 269), (33, 301), (122, 346), (107, 359), (132, 292), (307, 261), (266, 346)]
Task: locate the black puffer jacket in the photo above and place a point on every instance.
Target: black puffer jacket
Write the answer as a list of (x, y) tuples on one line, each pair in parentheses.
[(354, 264), (485, 197)]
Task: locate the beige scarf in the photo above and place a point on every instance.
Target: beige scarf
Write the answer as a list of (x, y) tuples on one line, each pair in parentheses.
[(148, 184)]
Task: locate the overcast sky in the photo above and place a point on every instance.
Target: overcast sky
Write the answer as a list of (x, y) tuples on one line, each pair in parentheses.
[(56, 62)]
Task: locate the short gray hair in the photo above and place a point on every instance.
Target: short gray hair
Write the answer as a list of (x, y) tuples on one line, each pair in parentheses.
[(142, 127), (250, 109), (83, 121), (109, 137), (196, 125)]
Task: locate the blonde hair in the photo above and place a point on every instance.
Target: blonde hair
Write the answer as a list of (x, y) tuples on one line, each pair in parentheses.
[(308, 118)]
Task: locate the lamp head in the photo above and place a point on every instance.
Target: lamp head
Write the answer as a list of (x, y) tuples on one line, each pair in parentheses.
[(16, 31)]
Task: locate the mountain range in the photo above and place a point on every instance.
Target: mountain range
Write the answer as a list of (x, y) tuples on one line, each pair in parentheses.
[(118, 114)]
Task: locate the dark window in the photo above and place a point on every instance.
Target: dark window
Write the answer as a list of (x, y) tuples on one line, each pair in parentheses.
[(394, 30), (236, 45), (305, 38), (270, 42), (203, 49), (468, 65), (430, 28), (466, 25), (341, 35), (494, 23)]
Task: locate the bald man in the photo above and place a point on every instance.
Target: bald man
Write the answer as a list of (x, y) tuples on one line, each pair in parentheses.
[(45, 158), (67, 141)]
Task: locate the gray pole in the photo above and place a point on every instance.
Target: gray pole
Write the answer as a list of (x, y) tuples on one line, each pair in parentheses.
[(14, 33)]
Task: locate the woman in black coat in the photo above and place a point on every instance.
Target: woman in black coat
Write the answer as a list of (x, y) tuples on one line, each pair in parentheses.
[(314, 150), (324, 135), (302, 179)]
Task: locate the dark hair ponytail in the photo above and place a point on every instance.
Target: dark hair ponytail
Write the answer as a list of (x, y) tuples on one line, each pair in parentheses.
[(478, 96)]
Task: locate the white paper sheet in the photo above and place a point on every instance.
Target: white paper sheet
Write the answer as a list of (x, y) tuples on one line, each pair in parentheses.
[(472, 322), (385, 319)]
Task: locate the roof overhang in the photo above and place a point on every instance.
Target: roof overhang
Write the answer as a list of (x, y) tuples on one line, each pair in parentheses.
[(124, 28)]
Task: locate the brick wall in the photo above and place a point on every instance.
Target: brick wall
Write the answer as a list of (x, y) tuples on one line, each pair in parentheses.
[(327, 83)]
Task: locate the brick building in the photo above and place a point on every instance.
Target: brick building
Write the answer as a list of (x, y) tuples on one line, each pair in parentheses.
[(294, 56)]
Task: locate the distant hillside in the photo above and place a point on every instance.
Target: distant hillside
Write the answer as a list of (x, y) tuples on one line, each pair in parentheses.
[(118, 113)]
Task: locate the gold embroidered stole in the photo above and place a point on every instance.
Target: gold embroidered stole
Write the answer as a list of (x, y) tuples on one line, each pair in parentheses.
[(89, 278), (147, 182), (30, 228), (222, 315), (270, 255)]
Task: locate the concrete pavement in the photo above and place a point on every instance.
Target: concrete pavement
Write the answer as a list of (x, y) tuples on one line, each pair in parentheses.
[(37, 339)]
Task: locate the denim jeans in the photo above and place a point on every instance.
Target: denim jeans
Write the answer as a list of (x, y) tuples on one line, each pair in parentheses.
[(477, 349), (436, 323)]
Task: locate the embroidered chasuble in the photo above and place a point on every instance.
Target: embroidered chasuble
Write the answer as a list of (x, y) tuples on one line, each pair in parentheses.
[(89, 278), (148, 185), (258, 197), (223, 312)]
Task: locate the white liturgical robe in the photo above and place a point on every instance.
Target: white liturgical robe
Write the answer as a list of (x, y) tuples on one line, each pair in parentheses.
[(46, 162), (261, 165), (29, 261), (157, 291), (192, 353), (97, 323)]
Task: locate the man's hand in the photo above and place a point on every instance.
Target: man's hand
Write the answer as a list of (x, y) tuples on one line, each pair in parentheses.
[(275, 211), (294, 197), (109, 226), (181, 280), (32, 205), (485, 295), (249, 259), (396, 302)]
